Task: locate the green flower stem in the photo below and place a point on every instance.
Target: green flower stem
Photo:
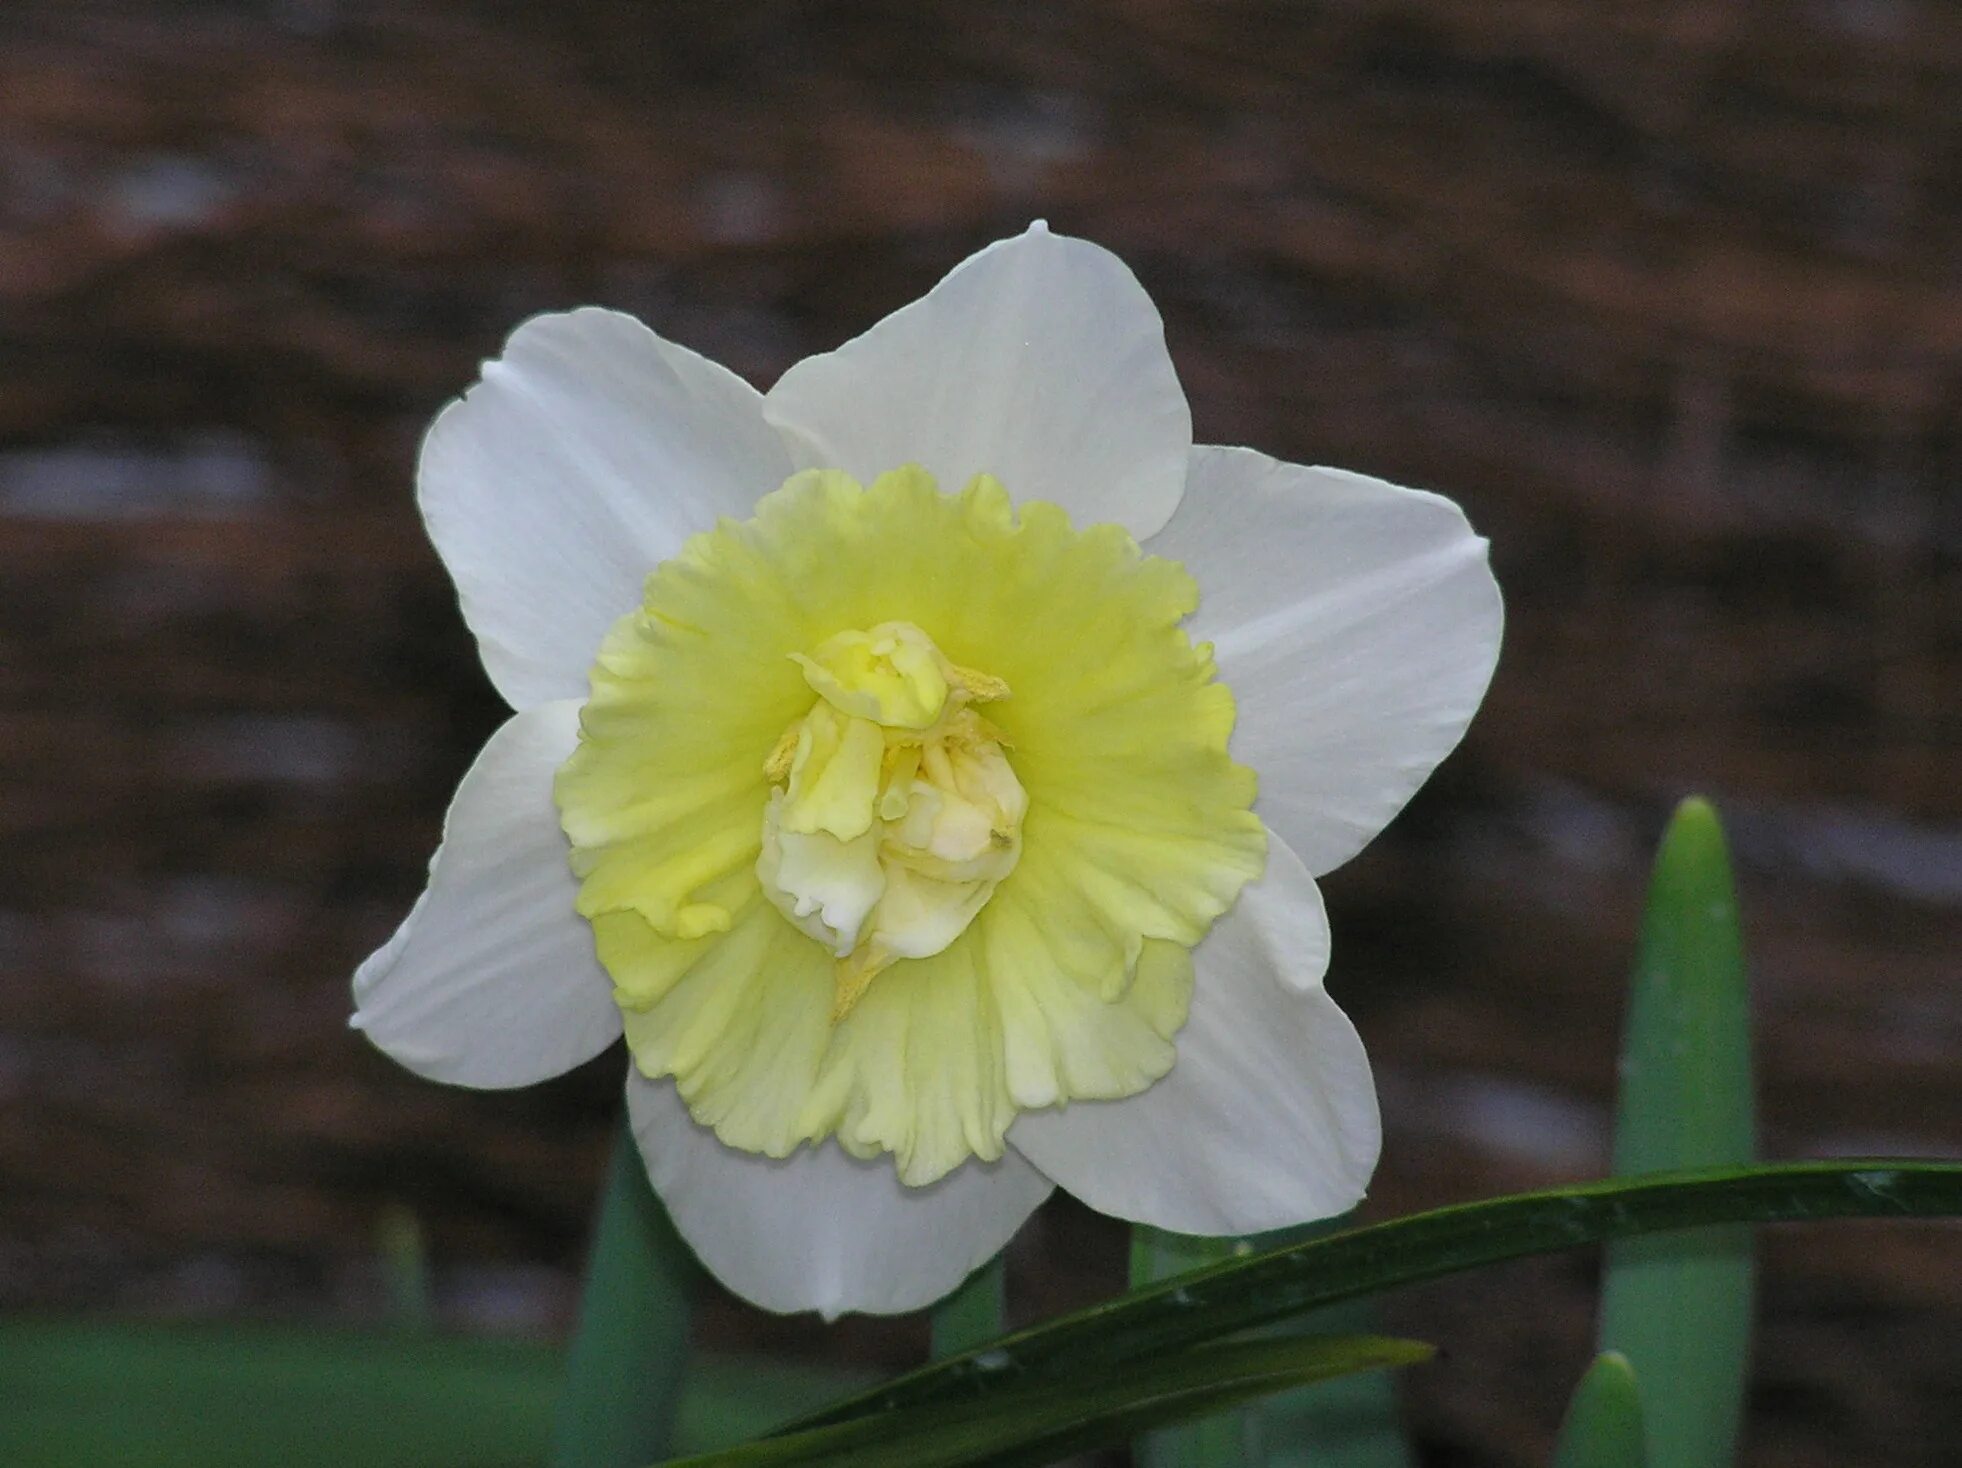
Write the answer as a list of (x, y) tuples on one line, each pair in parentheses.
[(973, 1313), (624, 1373), (1221, 1441), (1678, 1306)]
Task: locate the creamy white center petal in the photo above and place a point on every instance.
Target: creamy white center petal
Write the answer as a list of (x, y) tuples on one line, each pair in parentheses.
[(896, 811)]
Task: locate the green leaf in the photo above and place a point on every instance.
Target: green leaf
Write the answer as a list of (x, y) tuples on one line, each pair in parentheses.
[(1604, 1421), (1227, 1298), (1350, 1422), (1028, 1424), (79, 1394), (623, 1375), (1679, 1307), (973, 1313)]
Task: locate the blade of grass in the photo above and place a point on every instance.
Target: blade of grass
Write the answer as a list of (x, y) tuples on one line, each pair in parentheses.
[(1678, 1306), (1211, 1303), (405, 1268), (973, 1313), (623, 1374), (1349, 1422), (1604, 1421), (1036, 1423)]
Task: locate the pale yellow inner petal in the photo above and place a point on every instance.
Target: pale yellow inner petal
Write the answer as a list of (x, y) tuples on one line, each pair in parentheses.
[(898, 812)]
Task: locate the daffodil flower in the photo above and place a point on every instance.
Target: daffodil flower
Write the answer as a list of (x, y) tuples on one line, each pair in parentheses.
[(883, 765)]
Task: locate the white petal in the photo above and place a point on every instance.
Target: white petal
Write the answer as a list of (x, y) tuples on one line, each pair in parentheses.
[(491, 980), (1268, 1116), (820, 1230), (1356, 623), (1040, 360), (590, 451)]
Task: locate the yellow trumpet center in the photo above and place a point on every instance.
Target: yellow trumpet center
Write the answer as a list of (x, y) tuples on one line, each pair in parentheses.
[(897, 813), (894, 810)]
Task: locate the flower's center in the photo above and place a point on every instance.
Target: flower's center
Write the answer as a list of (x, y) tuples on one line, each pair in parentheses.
[(894, 811), (911, 929)]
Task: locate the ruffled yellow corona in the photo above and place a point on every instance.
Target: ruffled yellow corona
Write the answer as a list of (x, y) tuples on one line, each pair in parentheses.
[(897, 813)]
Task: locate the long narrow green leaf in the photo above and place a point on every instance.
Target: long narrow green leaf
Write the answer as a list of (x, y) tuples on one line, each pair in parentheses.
[(1036, 1423), (1228, 1298), (623, 1376), (973, 1313), (1350, 1422), (1604, 1421), (1679, 1306)]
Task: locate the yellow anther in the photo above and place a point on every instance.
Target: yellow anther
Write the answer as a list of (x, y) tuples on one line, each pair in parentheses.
[(979, 687), (853, 975), (776, 769)]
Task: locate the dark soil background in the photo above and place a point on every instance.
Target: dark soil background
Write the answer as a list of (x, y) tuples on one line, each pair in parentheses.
[(1669, 295)]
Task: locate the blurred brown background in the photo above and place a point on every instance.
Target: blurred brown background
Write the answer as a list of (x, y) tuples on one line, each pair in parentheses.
[(1668, 295)]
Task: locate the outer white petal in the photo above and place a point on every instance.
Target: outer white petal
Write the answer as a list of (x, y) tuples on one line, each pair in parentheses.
[(1357, 624), (1040, 360), (491, 980), (1268, 1116), (820, 1230), (590, 451)]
